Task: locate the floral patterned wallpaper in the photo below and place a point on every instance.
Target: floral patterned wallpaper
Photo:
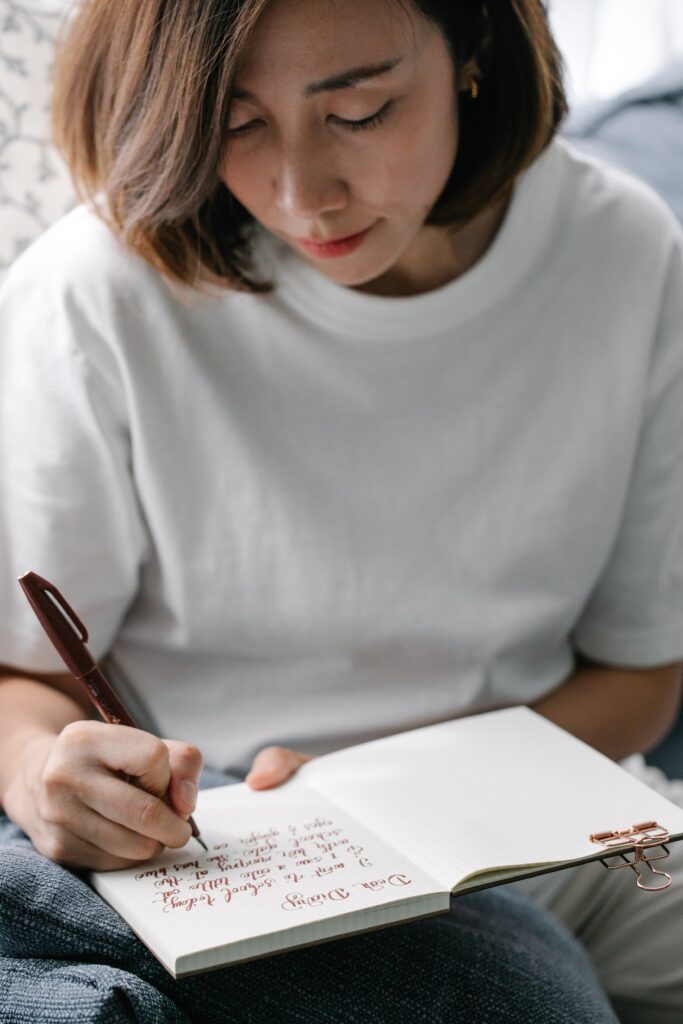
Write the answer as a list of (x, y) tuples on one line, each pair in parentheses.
[(35, 189)]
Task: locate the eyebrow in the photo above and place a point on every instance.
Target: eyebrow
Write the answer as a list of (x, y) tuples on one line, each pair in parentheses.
[(345, 80)]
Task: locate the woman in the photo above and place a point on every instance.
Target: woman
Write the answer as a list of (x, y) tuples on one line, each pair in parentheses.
[(350, 401)]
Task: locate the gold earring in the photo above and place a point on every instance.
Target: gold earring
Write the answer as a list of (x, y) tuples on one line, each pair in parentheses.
[(474, 88)]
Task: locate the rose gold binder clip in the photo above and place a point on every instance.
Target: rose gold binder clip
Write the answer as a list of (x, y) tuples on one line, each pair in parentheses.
[(642, 838)]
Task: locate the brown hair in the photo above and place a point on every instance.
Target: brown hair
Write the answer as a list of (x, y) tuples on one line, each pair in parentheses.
[(141, 100)]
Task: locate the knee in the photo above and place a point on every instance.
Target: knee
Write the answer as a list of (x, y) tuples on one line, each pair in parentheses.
[(528, 958)]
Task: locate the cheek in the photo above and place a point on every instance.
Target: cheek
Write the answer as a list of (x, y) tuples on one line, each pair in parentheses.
[(412, 172), (242, 175)]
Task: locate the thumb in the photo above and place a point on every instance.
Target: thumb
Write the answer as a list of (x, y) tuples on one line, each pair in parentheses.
[(185, 763), (273, 765)]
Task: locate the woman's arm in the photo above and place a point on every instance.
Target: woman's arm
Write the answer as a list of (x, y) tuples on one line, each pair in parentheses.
[(31, 708), (619, 711), (63, 778)]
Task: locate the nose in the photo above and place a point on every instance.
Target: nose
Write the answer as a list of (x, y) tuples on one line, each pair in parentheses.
[(307, 185)]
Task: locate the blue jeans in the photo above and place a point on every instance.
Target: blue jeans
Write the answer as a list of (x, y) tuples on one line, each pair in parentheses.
[(494, 959)]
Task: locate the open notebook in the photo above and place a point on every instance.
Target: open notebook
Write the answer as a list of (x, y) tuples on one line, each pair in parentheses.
[(380, 833)]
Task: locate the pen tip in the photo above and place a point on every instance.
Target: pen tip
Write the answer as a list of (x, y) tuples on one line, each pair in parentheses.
[(202, 843)]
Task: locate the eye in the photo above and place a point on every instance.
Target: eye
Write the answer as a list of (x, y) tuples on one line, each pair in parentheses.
[(367, 122), (243, 128), (355, 126)]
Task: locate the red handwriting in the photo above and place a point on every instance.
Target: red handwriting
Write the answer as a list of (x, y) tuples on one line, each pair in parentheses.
[(211, 883), (329, 870), (255, 837), (364, 862), (296, 900), (320, 835), (152, 873), (258, 850), (225, 864), (173, 902), (172, 880), (253, 888), (306, 854), (378, 883), (326, 847)]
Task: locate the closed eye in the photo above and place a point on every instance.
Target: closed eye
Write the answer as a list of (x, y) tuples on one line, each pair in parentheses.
[(243, 128), (367, 122)]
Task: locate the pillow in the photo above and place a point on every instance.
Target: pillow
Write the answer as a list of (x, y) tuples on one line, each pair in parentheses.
[(641, 131)]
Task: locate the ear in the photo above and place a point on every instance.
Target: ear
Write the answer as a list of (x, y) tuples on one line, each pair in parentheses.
[(466, 72)]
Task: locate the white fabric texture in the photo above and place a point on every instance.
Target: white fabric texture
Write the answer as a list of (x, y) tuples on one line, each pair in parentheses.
[(319, 516)]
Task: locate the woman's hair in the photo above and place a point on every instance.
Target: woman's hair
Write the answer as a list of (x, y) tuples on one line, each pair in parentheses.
[(141, 101)]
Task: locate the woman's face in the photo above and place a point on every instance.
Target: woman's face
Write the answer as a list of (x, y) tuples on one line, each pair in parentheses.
[(299, 165)]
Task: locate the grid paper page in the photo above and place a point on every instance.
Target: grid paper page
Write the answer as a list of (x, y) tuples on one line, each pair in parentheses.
[(277, 859), (506, 788)]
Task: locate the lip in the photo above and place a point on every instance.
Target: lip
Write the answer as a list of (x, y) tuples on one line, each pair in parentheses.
[(334, 247)]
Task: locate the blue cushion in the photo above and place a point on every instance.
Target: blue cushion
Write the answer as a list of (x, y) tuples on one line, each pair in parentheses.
[(641, 131)]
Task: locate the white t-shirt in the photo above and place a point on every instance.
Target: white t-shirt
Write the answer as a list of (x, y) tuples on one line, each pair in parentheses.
[(320, 516)]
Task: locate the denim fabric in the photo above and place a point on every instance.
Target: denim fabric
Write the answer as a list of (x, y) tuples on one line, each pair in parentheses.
[(495, 959)]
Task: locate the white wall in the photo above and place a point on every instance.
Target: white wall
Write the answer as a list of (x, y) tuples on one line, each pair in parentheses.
[(610, 45)]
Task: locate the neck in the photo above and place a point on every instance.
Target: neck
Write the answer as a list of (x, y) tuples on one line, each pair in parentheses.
[(439, 255)]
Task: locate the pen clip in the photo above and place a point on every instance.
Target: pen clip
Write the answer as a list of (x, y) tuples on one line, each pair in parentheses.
[(60, 622)]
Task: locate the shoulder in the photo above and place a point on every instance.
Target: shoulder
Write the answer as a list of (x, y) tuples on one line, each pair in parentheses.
[(79, 264), (611, 213), (79, 304), (80, 290), (80, 258)]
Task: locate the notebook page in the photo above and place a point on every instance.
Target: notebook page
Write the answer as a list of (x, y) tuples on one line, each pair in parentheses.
[(277, 859), (487, 791)]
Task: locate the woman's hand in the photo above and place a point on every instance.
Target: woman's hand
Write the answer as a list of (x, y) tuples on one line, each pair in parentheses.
[(273, 766), (69, 796)]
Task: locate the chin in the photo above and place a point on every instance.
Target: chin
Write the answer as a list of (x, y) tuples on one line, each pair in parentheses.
[(355, 275)]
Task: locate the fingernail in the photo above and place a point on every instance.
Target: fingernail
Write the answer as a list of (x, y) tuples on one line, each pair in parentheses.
[(188, 793)]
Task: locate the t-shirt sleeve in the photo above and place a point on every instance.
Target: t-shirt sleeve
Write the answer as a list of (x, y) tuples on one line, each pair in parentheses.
[(634, 616), (68, 505)]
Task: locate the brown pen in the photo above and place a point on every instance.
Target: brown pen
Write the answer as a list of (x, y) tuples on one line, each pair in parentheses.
[(69, 637)]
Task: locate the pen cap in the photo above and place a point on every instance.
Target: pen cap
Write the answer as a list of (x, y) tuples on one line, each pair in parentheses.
[(60, 622)]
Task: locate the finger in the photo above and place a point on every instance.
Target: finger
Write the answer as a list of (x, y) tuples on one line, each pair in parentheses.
[(65, 847), (122, 749), (134, 808), (186, 765), (273, 765), (113, 839)]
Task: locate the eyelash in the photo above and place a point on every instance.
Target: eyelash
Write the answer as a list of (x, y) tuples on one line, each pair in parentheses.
[(368, 122), (355, 126)]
